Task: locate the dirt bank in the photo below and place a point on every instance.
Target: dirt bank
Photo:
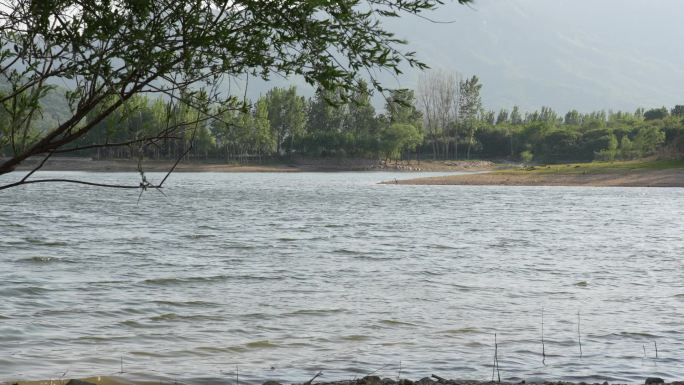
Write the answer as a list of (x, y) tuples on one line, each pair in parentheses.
[(627, 174)]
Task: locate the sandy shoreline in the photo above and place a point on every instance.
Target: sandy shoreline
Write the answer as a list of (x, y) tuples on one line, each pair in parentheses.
[(300, 165), (600, 177)]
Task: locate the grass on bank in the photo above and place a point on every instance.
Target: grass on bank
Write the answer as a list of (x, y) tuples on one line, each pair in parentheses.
[(615, 167)]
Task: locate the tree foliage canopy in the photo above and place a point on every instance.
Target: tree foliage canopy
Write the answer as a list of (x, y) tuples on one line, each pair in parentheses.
[(107, 51)]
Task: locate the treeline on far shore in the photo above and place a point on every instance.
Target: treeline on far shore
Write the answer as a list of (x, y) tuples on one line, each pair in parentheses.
[(443, 119)]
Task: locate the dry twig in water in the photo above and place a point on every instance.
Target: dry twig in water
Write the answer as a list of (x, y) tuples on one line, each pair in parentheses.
[(579, 338), (313, 378), (495, 367), (542, 338)]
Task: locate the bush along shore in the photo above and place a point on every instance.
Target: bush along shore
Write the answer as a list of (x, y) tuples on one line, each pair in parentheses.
[(367, 380)]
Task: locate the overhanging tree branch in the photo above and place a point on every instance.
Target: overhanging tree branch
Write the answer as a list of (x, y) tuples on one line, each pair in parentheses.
[(111, 52)]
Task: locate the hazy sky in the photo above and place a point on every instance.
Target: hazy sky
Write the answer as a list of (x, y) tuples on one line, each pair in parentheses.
[(584, 54)]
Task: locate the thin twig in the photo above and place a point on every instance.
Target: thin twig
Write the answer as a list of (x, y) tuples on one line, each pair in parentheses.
[(656, 348), (579, 338), (496, 358), (178, 160), (140, 196), (494, 361), (61, 379), (542, 338), (73, 181), (313, 378), (377, 370), (42, 163), (495, 366), (142, 186)]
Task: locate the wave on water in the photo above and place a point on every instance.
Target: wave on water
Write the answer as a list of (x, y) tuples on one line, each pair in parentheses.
[(173, 280), (462, 288), (636, 335), (355, 337), (257, 316), (342, 290), (440, 246), (165, 281), (395, 323), (148, 354), (335, 225), (42, 259), (240, 246), (131, 323), (26, 290), (213, 350), (142, 324), (345, 251), (186, 303), (45, 242), (100, 339), (429, 272), (198, 236), (315, 312), (466, 330), (164, 317), (372, 258), (263, 344), (184, 318)]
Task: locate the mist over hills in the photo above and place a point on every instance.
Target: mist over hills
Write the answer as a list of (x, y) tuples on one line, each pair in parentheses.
[(584, 54), (565, 54)]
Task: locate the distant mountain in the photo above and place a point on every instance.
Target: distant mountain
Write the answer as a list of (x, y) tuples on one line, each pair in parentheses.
[(565, 54), (583, 54)]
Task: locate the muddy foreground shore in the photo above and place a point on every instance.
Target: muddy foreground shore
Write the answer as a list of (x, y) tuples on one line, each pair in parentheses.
[(368, 380)]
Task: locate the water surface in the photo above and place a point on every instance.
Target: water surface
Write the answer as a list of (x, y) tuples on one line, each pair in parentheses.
[(283, 275)]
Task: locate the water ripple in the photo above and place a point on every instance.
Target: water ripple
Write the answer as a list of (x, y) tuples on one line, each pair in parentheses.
[(307, 272)]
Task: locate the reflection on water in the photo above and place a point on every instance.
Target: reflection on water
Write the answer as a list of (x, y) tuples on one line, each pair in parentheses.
[(288, 274)]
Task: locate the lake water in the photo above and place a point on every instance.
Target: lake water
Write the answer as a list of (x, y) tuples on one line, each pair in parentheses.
[(283, 275)]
